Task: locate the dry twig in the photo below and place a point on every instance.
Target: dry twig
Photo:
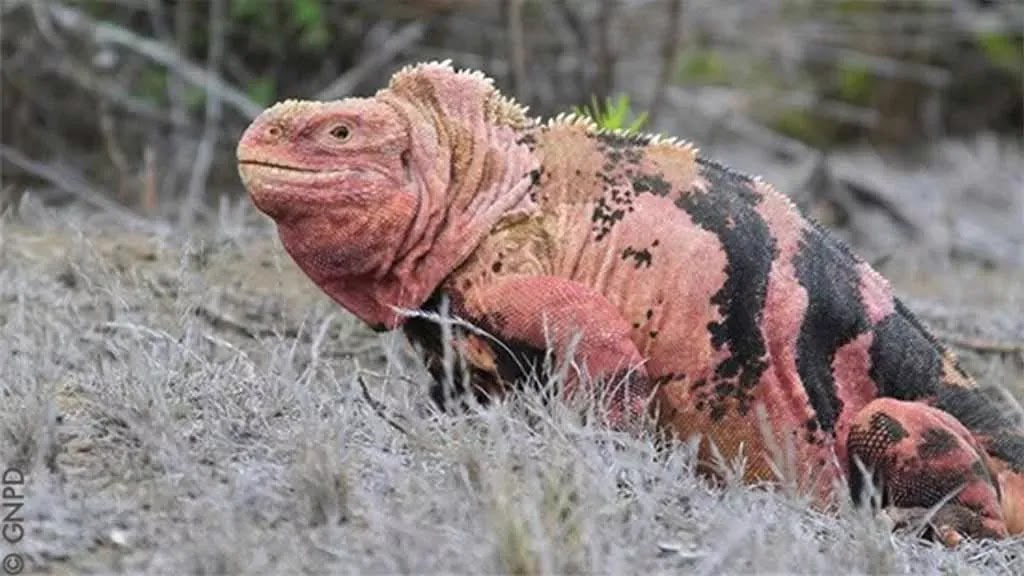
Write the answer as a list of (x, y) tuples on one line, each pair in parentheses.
[(378, 406), (512, 12), (74, 184), (377, 59), (980, 344), (104, 32), (211, 124), (669, 57)]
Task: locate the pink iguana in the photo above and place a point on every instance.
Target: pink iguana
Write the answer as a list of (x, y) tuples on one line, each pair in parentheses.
[(699, 286)]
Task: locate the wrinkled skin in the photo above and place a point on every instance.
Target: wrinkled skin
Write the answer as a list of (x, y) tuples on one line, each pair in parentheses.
[(315, 200), (667, 276)]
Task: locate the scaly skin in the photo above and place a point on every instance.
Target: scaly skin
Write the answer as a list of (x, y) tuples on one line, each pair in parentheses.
[(686, 282)]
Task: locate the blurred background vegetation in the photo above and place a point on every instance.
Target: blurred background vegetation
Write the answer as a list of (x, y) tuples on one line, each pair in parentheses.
[(135, 106)]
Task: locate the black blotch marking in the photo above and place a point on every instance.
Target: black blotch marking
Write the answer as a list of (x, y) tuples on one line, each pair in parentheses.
[(979, 470), (918, 486), (649, 314), (516, 361), (651, 184), (1008, 446), (640, 257), (928, 336), (496, 267), (728, 211), (835, 316), (655, 243), (891, 429), (520, 362), (605, 217), (536, 176), (867, 448), (936, 442), (666, 378), (905, 364), (621, 196), (617, 201), (528, 139), (636, 324), (653, 334), (718, 411), (425, 335), (983, 410)]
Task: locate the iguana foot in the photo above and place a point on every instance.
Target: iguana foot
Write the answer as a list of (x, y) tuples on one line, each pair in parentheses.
[(950, 524), (920, 458)]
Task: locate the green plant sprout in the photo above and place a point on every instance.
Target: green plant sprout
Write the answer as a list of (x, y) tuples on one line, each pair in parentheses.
[(614, 115)]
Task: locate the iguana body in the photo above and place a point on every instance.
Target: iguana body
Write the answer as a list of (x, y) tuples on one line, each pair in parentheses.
[(696, 285)]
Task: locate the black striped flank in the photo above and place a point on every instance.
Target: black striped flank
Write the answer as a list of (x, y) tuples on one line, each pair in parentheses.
[(729, 211), (835, 316)]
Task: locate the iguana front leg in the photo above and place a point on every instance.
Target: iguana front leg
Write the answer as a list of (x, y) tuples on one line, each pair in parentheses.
[(921, 457), (546, 312)]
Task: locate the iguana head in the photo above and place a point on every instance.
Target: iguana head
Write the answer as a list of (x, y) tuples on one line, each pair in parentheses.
[(379, 199)]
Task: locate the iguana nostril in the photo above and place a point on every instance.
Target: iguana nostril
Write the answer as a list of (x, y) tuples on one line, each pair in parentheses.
[(274, 131)]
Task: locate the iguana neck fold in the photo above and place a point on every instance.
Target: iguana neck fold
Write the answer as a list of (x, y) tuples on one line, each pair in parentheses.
[(468, 170)]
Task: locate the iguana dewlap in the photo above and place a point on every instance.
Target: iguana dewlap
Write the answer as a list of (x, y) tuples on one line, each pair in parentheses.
[(694, 284)]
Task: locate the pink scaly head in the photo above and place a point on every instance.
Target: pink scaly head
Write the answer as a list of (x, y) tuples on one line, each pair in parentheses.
[(379, 199)]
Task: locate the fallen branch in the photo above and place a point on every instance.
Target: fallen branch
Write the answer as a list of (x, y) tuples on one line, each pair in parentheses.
[(117, 96), (980, 344), (106, 33), (211, 124), (74, 184)]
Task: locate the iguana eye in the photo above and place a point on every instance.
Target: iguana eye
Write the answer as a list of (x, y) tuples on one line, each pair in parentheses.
[(341, 132)]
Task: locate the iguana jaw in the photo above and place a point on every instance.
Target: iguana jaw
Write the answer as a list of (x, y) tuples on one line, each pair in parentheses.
[(332, 177), (379, 218), (287, 193)]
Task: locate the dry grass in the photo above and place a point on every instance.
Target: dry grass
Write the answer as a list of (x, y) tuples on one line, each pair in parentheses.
[(192, 407)]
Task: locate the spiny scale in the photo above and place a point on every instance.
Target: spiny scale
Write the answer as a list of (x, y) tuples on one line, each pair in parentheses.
[(507, 110)]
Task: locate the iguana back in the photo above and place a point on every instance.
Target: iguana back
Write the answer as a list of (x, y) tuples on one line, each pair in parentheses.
[(694, 284)]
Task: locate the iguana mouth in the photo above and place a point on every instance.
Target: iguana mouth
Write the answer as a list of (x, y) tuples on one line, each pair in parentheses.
[(288, 170), (273, 165)]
